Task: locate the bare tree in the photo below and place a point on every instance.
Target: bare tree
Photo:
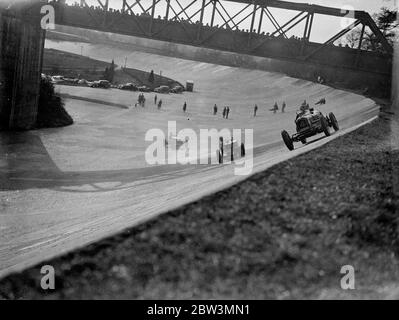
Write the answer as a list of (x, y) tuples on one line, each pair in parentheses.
[(386, 21)]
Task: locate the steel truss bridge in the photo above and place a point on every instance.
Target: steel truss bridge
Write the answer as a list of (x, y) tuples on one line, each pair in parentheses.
[(260, 8), (190, 27)]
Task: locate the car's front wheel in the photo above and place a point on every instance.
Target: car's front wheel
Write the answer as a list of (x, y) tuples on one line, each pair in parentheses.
[(334, 121), (325, 127), (287, 140)]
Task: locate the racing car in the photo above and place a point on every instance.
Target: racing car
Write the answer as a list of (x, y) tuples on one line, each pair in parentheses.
[(179, 142), (308, 124), (229, 148)]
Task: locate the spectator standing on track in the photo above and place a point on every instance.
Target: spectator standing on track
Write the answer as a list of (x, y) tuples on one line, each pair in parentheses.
[(139, 99), (255, 110), (185, 107), (275, 108), (151, 77), (143, 100)]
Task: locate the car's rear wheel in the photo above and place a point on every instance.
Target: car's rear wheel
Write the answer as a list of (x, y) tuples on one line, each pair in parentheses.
[(219, 156), (334, 121), (304, 141), (287, 140), (325, 127)]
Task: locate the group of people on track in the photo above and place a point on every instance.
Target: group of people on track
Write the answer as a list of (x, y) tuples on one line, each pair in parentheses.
[(226, 110), (141, 100), (274, 109)]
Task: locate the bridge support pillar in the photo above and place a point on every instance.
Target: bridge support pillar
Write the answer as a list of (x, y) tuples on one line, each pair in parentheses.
[(21, 55), (260, 19), (395, 80), (201, 20), (213, 12), (252, 24), (359, 47)]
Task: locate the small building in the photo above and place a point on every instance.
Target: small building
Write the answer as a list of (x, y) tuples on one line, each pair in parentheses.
[(190, 86)]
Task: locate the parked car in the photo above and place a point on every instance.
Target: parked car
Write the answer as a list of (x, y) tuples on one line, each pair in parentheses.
[(177, 89), (57, 79), (83, 82), (128, 86), (100, 84), (71, 81), (162, 89), (46, 77), (144, 89)]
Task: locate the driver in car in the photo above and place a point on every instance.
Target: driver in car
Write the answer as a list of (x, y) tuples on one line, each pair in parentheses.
[(303, 109)]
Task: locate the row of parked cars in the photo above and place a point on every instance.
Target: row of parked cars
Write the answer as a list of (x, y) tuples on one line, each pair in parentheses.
[(105, 84), (161, 89), (70, 81), (132, 87), (166, 89)]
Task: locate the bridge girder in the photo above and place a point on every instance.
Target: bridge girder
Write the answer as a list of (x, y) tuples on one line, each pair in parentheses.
[(232, 20)]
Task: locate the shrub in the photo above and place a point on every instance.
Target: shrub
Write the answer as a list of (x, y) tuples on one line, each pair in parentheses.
[(51, 113)]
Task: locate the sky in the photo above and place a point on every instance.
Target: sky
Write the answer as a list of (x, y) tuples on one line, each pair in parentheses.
[(324, 26)]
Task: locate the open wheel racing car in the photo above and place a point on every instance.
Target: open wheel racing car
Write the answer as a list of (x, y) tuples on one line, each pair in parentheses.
[(308, 124)]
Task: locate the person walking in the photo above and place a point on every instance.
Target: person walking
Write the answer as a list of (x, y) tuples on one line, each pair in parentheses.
[(184, 107), (143, 101), (155, 99), (160, 104), (224, 112), (255, 110), (283, 107), (215, 109), (227, 112), (275, 108)]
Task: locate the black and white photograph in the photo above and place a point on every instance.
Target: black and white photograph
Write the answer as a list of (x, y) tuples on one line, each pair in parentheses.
[(205, 153)]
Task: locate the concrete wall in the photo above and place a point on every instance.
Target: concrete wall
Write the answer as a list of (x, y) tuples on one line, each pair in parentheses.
[(21, 50)]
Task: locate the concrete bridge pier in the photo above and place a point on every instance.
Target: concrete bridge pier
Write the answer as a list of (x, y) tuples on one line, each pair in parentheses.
[(21, 54), (395, 79)]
